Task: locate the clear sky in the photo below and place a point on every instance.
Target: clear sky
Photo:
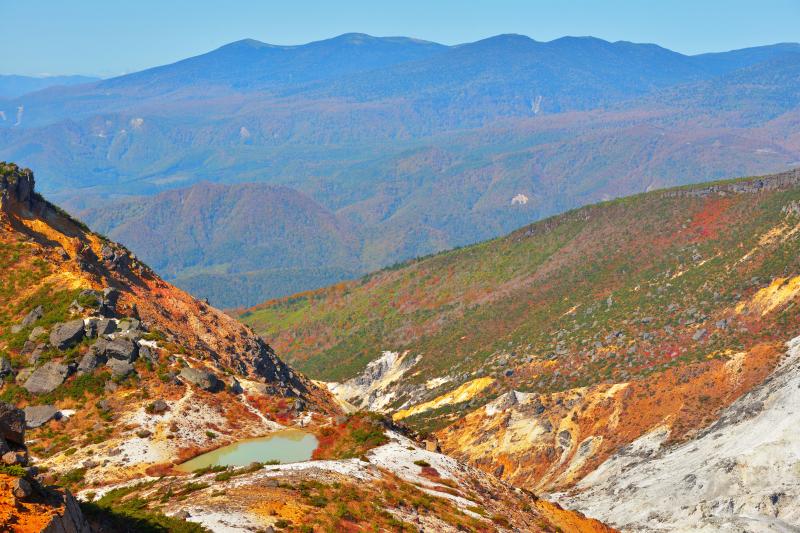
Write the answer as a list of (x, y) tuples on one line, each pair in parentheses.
[(109, 37)]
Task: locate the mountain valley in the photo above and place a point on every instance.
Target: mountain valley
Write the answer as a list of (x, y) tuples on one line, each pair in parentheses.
[(120, 378), (592, 348), (416, 147)]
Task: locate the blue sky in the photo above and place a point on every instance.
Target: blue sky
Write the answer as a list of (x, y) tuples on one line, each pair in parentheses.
[(109, 37)]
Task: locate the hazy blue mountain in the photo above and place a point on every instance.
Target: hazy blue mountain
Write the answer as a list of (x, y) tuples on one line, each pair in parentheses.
[(12, 85), (414, 146)]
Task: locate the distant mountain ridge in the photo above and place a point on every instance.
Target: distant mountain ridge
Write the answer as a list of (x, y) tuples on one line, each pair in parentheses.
[(208, 236), (416, 146), (12, 86)]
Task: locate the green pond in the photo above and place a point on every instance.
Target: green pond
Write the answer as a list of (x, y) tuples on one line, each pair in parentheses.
[(288, 446)]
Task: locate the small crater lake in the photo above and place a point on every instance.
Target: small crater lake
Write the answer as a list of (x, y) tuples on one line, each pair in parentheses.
[(287, 446)]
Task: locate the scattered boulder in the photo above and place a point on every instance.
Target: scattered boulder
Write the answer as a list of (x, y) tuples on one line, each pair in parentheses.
[(99, 347), (21, 488), (36, 354), (39, 415), (12, 424), (5, 367), (201, 378), (47, 377), (128, 325), (159, 407), (27, 348), (143, 433), (120, 368), (123, 349), (15, 457), (23, 375), (33, 316), (106, 326), (88, 363), (36, 332), (699, 334), (236, 387), (145, 352), (109, 304), (67, 335)]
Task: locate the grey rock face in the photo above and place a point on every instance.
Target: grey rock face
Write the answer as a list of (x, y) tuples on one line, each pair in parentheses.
[(67, 335), (88, 363), (146, 353), (5, 367), (159, 407), (21, 488), (109, 304), (123, 349), (120, 368), (33, 316), (105, 326), (36, 354), (201, 378), (36, 332), (47, 377), (12, 424), (236, 387), (39, 415)]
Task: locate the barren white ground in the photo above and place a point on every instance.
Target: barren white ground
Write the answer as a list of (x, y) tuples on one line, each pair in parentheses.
[(741, 474)]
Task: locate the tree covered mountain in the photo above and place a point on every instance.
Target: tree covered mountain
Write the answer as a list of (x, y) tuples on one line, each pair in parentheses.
[(415, 146), (649, 337)]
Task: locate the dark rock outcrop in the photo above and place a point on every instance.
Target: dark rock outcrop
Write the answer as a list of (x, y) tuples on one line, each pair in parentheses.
[(201, 378), (5, 367), (47, 377), (120, 368), (122, 348), (33, 316), (88, 363), (12, 424), (67, 335), (39, 415)]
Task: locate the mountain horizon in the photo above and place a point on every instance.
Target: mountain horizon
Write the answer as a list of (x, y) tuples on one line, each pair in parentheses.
[(415, 146)]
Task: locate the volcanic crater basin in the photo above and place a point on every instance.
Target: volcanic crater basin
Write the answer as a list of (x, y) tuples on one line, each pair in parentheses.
[(287, 446)]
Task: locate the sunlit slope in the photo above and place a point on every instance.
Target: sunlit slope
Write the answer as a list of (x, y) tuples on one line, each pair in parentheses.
[(602, 294)]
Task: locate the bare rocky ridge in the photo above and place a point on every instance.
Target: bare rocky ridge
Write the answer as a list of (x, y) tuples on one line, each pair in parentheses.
[(739, 474), (26, 504)]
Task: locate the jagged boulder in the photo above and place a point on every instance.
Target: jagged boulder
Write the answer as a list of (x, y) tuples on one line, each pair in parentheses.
[(120, 368), (122, 348), (148, 354), (201, 378), (33, 316), (97, 327), (67, 335), (109, 303), (36, 354), (36, 332), (12, 424), (47, 377), (159, 407), (39, 415), (21, 488), (88, 363), (5, 367)]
